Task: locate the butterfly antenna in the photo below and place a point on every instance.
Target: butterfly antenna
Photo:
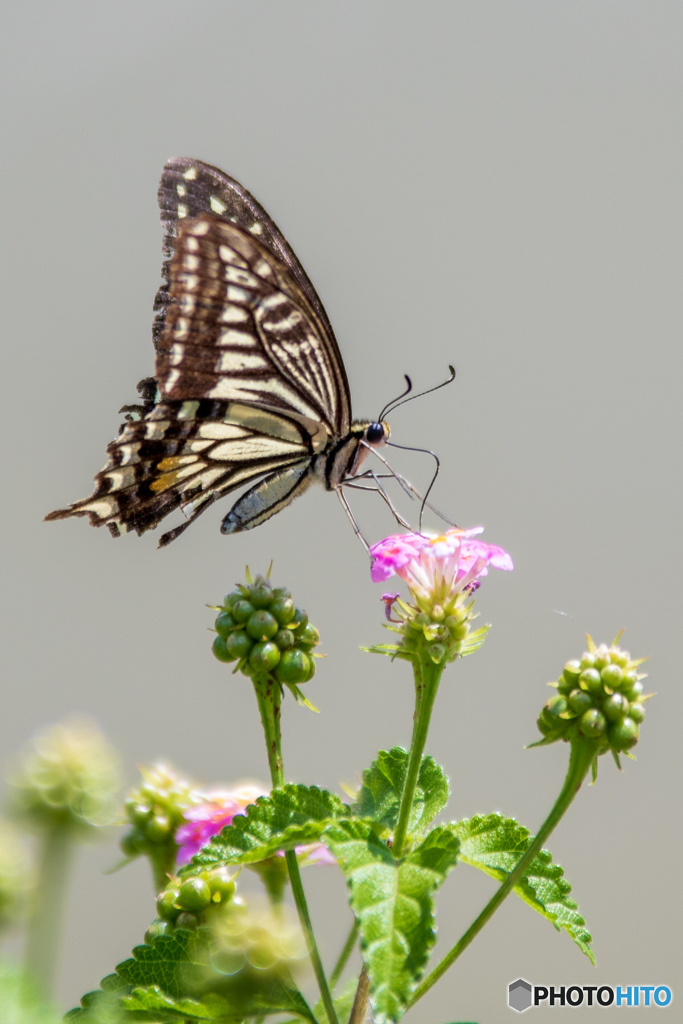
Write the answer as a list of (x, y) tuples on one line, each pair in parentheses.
[(392, 404), (407, 397)]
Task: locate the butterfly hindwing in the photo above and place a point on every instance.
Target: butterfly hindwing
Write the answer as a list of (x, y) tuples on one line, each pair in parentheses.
[(187, 454)]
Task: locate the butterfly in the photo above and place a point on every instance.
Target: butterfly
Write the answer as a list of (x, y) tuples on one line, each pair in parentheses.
[(249, 386)]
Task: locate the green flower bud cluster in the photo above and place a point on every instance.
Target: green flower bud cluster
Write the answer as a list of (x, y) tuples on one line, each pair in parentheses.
[(255, 938), (192, 902), (443, 633), (599, 697), (155, 810), (261, 629), (67, 777)]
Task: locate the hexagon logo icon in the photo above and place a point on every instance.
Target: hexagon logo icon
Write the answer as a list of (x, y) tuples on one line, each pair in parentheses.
[(519, 995)]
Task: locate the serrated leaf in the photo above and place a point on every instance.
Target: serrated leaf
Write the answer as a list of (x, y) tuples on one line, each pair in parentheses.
[(272, 997), (172, 980), (392, 900), (494, 844), (289, 817), (380, 795), (163, 962)]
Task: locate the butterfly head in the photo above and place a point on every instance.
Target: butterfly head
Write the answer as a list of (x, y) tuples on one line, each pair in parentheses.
[(377, 434)]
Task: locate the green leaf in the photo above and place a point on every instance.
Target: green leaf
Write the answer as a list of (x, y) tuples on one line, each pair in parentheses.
[(289, 817), (380, 795), (272, 996), (392, 900), (494, 844), (172, 979)]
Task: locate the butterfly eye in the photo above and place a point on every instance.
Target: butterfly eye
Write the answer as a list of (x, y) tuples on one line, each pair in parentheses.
[(375, 433)]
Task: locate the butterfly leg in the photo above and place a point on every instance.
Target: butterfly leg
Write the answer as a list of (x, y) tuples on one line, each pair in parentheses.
[(406, 486), (354, 524), (370, 474)]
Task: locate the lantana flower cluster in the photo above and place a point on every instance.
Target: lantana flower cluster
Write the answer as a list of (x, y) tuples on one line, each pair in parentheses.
[(442, 574)]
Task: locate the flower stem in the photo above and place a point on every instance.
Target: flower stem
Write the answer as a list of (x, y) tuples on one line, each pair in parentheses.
[(269, 697), (582, 755), (43, 945), (427, 677), (360, 1002), (346, 952)]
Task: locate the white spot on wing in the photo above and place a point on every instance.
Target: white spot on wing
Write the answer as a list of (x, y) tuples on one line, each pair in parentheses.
[(182, 211), (234, 315), (229, 255), (234, 294), (172, 380), (190, 174), (103, 507), (156, 429), (129, 452), (256, 228), (216, 205), (220, 431), (181, 190), (120, 478), (235, 275), (231, 361), (176, 354), (238, 338), (253, 447)]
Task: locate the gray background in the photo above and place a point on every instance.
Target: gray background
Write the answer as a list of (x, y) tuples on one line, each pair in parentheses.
[(496, 185)]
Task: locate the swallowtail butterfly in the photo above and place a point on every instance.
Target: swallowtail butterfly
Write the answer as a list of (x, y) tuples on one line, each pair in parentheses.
[(249, 385)]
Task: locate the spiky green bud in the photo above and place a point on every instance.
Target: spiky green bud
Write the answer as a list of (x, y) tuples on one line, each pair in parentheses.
[(599, 697), (67, 776), (261, 629)]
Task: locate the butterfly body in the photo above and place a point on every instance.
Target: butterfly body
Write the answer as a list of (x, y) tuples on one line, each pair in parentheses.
[(249, 388)]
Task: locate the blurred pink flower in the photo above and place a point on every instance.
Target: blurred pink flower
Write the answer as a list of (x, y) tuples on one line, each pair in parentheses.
[(204, 821)]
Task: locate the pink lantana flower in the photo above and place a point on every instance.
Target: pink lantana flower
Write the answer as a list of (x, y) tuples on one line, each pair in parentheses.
[(207, 819), (442, 574), (437, 569)]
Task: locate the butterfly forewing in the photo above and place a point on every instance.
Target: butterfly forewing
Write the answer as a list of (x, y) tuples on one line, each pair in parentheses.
[(239, 327), (250, 387), (189, 188)]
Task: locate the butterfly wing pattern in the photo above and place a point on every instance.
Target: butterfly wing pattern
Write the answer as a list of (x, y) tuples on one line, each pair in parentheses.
[(250, 387)]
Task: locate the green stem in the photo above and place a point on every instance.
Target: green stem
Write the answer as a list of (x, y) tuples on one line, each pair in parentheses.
[(360, 1002), (43, 945), (580, 760), (427, 677), (163, 864), (344, 955), (269, 697)]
